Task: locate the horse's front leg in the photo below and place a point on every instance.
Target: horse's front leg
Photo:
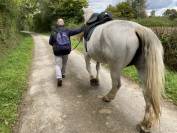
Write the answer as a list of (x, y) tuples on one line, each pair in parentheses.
[(116, 83), (88, 67), (96, 80)]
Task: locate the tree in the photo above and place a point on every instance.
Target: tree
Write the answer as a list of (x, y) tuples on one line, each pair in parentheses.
[(9, 12), (123, 10), (50, 10), (139, 7), (153, 13), (28, 9), (171, 13), (113, 11)]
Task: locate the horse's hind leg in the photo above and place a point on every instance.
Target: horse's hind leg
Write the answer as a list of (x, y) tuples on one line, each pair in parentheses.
[(93, 81), (116, 83), (96, 82), (146, 124)]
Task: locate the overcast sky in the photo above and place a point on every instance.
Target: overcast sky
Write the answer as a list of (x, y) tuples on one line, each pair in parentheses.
[(159, 5)]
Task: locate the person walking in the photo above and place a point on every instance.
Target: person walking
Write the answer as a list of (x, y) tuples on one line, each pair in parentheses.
[(61, 43)]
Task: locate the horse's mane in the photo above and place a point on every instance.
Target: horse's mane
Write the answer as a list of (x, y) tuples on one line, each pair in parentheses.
[(88, 12)]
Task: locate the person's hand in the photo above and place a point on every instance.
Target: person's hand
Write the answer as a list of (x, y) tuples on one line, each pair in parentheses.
[(83, 27)]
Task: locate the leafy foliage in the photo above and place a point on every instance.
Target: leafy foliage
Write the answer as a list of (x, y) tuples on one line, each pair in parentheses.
[(171, 13), (140, 8), (28, 9), (153, 13), (36, 15), (122, 10), (8, 22), (50, 10), (129, 9), (169, 41)]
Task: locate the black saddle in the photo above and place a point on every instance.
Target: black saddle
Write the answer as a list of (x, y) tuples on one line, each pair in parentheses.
[(95, 20)]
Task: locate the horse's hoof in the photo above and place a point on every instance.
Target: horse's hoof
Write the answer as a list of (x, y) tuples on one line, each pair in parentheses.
[(141, 130), (94, 82), (106, 99)]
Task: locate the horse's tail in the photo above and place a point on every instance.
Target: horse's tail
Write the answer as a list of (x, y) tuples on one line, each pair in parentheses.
[(154, 67)]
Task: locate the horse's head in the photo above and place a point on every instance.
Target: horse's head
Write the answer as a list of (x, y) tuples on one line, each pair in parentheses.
[(87, 13)]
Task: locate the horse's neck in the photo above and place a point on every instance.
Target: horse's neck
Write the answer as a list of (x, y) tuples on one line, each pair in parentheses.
[(89, 16)]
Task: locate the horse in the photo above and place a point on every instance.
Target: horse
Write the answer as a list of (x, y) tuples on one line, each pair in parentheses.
[(119, 43)]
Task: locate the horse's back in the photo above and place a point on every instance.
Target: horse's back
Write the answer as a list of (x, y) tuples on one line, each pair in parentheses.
[(122, 24), (116, 41)]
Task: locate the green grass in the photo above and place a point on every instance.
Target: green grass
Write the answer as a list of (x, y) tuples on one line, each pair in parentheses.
[(171, 85), (170, 81), (8, 42), (14, 69), (75, 42), (130, 72)]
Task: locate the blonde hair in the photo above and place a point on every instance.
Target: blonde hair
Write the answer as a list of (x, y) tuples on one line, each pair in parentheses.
[(60, 22)]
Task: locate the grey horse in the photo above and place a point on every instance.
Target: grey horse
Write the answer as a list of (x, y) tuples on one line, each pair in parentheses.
[(116, 43)]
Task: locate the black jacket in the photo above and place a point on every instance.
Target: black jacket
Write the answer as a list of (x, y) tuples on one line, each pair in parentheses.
[(70, 32)]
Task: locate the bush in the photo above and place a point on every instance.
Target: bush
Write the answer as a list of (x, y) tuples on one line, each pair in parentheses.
[(8, 25), (156, 21), (169, 41)]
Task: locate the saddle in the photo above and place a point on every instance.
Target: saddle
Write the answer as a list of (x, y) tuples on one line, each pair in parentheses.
[(95, 20)]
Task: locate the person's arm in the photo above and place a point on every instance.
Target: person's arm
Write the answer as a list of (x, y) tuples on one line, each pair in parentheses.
[(51, 39), (75, 31)]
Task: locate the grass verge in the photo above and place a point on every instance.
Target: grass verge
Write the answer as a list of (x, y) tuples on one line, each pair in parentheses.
[(170, 81), (171, 85), (75, 42), (14, 67)]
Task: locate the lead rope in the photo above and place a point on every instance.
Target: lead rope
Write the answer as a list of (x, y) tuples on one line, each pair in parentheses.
[(77, 44)]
